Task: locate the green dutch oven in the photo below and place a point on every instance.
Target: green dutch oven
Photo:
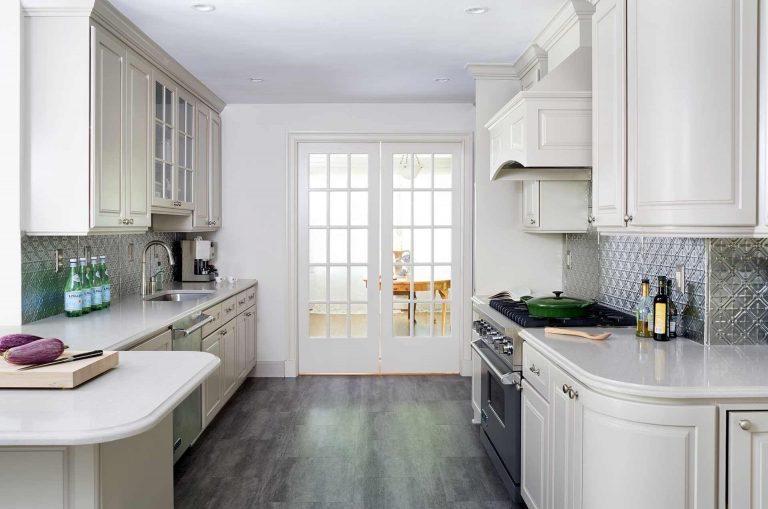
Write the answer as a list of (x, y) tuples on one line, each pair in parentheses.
[(558, 307)]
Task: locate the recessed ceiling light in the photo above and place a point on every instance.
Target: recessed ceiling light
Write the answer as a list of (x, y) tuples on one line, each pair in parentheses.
[(476, 10), (204, 7), (442, 80), (257, 80)]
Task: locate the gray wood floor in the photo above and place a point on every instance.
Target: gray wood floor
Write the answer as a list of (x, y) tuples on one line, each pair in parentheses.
[(342, 442)]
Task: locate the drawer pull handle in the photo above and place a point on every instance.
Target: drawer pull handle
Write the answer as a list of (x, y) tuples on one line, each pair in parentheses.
[(536, 371), (745, 424), (251, 296), (241, 301), (224, 332), (248, 314)]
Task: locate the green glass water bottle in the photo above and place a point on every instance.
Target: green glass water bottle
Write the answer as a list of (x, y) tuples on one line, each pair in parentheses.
[(106, 283), (85, 283), (94, 270), (73, 292)]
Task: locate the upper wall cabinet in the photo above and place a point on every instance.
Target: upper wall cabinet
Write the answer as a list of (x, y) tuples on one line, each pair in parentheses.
[(109, 133), (690, 133), (206, 215)]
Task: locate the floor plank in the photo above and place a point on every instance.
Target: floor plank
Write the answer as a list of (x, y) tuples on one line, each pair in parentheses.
[(342, 442)]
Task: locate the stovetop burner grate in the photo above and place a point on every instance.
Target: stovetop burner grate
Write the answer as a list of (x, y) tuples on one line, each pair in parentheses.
[(599, 316)]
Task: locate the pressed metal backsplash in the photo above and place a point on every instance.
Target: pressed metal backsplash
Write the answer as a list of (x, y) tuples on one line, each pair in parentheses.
[(725, 299), (42, 288)]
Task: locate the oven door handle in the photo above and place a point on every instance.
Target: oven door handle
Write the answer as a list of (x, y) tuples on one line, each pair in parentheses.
[(510, 378)]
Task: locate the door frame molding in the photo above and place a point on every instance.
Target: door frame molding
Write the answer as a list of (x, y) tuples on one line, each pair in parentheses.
[(292, 225)]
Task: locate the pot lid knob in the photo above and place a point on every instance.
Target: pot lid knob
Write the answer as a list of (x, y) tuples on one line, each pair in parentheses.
[(557, 294)]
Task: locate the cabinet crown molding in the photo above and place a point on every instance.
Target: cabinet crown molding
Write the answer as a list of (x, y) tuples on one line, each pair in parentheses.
[(571, 13), (530, 58), (493, 71), (107, 15)]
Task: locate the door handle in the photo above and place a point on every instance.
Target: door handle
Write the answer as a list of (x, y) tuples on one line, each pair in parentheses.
[(198, 325)]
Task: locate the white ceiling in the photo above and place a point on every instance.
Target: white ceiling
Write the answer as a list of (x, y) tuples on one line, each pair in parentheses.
[(339, 50)]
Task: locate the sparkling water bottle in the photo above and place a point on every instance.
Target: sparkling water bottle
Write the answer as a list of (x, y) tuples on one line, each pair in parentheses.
[(73, 291)]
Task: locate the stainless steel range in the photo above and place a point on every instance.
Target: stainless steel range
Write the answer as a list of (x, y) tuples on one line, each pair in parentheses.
[(496, 341)]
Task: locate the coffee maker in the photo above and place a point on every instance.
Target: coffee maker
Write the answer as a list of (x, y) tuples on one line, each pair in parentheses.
[(196, 257)]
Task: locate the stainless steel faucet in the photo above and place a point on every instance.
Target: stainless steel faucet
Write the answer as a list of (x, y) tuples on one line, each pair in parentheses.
[(146, 286)]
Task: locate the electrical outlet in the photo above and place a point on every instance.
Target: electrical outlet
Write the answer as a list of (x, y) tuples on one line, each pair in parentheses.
[(680, 277), (568, 260), (130, 251), (58, 260)]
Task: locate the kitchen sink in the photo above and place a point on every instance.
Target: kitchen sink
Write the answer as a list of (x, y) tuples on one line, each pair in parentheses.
[(178, 295)]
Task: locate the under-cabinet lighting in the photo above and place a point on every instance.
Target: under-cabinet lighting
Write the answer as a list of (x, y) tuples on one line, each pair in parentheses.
[(476, 10), (204, 7)]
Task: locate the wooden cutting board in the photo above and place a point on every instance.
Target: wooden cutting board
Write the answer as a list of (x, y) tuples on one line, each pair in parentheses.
[(61, 376)]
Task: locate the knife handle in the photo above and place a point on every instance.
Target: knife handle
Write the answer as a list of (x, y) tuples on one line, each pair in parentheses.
[(85, 355)]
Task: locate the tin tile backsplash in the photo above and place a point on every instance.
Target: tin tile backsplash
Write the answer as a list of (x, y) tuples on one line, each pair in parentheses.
[(725, 299), (42, 287)]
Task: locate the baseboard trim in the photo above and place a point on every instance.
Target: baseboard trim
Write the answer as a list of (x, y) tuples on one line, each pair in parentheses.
[(268, 369), (290, 369)]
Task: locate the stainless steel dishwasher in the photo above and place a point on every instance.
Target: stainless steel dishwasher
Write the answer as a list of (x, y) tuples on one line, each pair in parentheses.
[(188, 416)]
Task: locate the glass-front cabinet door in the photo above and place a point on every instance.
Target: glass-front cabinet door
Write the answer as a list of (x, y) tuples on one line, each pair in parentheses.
[(173, 168)]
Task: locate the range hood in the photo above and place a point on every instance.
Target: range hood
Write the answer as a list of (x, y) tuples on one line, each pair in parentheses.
[(545, 133)]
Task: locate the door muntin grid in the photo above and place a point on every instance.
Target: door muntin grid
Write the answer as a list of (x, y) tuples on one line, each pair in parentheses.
[(423, 230), (338, 258), (164, 133), (185, 144)]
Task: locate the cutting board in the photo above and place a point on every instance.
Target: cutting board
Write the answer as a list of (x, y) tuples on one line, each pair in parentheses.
[(61, 376)]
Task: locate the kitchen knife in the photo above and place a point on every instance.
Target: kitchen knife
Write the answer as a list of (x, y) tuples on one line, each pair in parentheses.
[(77, 357)]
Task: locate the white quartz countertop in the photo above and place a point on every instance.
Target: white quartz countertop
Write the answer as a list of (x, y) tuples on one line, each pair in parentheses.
[(123, 402), (129, 320), (679, 368)]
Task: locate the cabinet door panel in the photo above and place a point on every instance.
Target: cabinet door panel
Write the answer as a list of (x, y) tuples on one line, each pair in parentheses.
[(138, 140), (242, 341), (692, 112), (215, 181), (250, 345), (160, 343), (202, 169), (531, 204), (748, 460), (671, 450), (535, 448), (608, 113), (564, 440), (108, 68), (229, 348), (212, 387)]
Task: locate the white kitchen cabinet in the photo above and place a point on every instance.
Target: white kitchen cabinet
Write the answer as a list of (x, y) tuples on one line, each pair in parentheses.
[(228, 337), (213, 385), (241, 330), (555, 206), (692, 125), (160, 343), (609, 170), (747, 461), (251, 339), (206, 215), (565, 441), (121, 96), (88, 121), (535, 479)]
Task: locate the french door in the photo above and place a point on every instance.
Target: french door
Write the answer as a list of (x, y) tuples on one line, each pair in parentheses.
[(379, 227)]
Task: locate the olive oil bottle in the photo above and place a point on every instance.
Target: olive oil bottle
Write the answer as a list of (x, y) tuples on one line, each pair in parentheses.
[(643, 312), (660, 312)]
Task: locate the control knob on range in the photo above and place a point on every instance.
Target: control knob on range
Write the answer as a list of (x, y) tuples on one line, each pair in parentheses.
[(507, 348)]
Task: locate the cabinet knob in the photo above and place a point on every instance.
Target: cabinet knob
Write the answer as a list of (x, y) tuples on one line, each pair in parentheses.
[(745, 424), (566, 388), (591, 219), (628, 219), (533, 221), (131, 221), (536, 371), (573, 394)]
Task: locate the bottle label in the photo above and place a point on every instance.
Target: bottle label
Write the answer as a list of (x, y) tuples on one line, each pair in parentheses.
[(660, 319), (73, 301), (87, 298), (106, 293), (673, 326), (75, 278), (97, 296)]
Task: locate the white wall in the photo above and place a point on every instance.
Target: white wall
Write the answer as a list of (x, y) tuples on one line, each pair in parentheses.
[(505, 256), (252, 240), (10, 155)]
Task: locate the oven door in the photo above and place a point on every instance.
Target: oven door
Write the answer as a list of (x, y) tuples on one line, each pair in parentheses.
[(500, 409)]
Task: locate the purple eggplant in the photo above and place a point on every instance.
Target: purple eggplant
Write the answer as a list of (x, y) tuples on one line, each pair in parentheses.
[(36, 352), (12, 340)]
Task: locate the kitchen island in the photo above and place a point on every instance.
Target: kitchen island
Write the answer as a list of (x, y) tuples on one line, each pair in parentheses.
[(107, 443), (635, 423)]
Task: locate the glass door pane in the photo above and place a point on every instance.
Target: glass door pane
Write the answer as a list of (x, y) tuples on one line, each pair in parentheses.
[(420, 247), (185, 143), (338, 280), (162, 178)]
